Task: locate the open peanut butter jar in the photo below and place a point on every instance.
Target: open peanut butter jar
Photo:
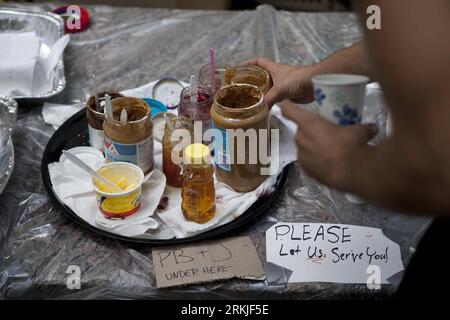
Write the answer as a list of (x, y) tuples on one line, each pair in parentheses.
[(130, 139), (250, 74), (241, 121), (95, 116)]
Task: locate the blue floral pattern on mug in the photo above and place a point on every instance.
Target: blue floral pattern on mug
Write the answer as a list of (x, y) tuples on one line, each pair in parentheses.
[(347, 116), (319, 96)]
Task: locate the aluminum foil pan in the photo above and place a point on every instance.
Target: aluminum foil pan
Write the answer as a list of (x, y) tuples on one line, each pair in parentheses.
[(8, 114), (49, 27)]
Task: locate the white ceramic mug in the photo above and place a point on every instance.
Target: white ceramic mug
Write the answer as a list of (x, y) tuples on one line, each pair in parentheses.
[(341, 100), (340, 97)]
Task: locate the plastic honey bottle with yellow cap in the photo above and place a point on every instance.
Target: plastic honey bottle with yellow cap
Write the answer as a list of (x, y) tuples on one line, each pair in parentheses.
[(198, 195)]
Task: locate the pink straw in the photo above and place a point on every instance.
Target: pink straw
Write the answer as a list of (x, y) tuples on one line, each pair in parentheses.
[(212, 55)]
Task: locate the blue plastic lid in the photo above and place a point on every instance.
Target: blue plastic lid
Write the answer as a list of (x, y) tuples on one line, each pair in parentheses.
[(155, 106)]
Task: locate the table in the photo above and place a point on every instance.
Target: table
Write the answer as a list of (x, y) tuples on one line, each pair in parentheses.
[(125, 48)]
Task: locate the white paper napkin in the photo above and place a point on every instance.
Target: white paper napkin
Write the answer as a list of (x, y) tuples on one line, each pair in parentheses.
[(75, 190), (56, 114), (27, 64), (18, 57), (229, 205)]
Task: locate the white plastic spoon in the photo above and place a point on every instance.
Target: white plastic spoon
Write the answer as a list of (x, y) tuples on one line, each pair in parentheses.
[(89, 170)]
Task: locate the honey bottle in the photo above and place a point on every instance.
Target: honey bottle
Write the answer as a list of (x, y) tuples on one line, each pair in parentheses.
[(198, 194)]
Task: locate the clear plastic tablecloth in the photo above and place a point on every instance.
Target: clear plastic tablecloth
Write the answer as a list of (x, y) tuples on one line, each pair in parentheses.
[(125, 48)]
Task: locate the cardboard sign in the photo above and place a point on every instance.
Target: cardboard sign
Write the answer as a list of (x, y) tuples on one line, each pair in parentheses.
[(317, 252), (207, 261)]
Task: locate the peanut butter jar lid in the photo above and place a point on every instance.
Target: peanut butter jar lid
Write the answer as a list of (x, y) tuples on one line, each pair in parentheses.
[(168, 91)]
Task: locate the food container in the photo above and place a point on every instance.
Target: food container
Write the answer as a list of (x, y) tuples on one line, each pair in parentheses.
[(159, 125), (237, 159), (49, 27), (95, 115), (198, 196), (131, 141), (197, 111), (174, 138), (8, 113), (124, 204), (250, 74)]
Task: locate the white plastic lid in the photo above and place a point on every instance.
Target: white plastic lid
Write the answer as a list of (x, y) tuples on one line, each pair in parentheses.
[(91, 156), (168, 91)]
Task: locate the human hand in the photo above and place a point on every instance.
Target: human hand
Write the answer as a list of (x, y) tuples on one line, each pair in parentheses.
[(289, 82), (324, 148)]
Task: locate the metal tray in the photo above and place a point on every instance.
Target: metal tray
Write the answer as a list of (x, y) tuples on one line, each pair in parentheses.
[(49, 27), (74, 133), (8, 112)]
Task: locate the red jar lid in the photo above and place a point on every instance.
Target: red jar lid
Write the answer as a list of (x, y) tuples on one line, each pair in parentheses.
[(76, 18)]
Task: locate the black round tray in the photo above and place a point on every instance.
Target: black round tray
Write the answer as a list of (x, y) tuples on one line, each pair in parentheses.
[(74, 133)]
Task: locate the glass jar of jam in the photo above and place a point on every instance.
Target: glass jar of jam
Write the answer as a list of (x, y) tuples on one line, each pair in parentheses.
[(130, 141), (95, 115), (172, 141), (198, 197), (250, 74), (240, 106), (197, 111)]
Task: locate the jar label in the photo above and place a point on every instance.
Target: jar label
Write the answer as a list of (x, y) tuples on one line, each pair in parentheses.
[(96, 138), (140, 154), (222, 152)]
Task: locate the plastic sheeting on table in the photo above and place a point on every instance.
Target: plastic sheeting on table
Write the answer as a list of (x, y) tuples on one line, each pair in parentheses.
[(128, 47)]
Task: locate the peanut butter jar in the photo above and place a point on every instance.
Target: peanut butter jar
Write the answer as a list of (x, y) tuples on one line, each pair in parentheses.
[(131, 141), (250, 74), (240, 106), (95, 116)]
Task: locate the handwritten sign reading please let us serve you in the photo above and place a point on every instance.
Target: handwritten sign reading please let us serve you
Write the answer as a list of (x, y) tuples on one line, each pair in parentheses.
[(317, 252)]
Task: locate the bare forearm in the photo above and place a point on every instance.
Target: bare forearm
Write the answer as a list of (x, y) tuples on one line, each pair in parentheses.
[(353, 59)]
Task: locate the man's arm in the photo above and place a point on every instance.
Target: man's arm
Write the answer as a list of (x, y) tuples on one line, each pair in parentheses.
[(411, 170), (294, 83), (411, 56), (354, 60)]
